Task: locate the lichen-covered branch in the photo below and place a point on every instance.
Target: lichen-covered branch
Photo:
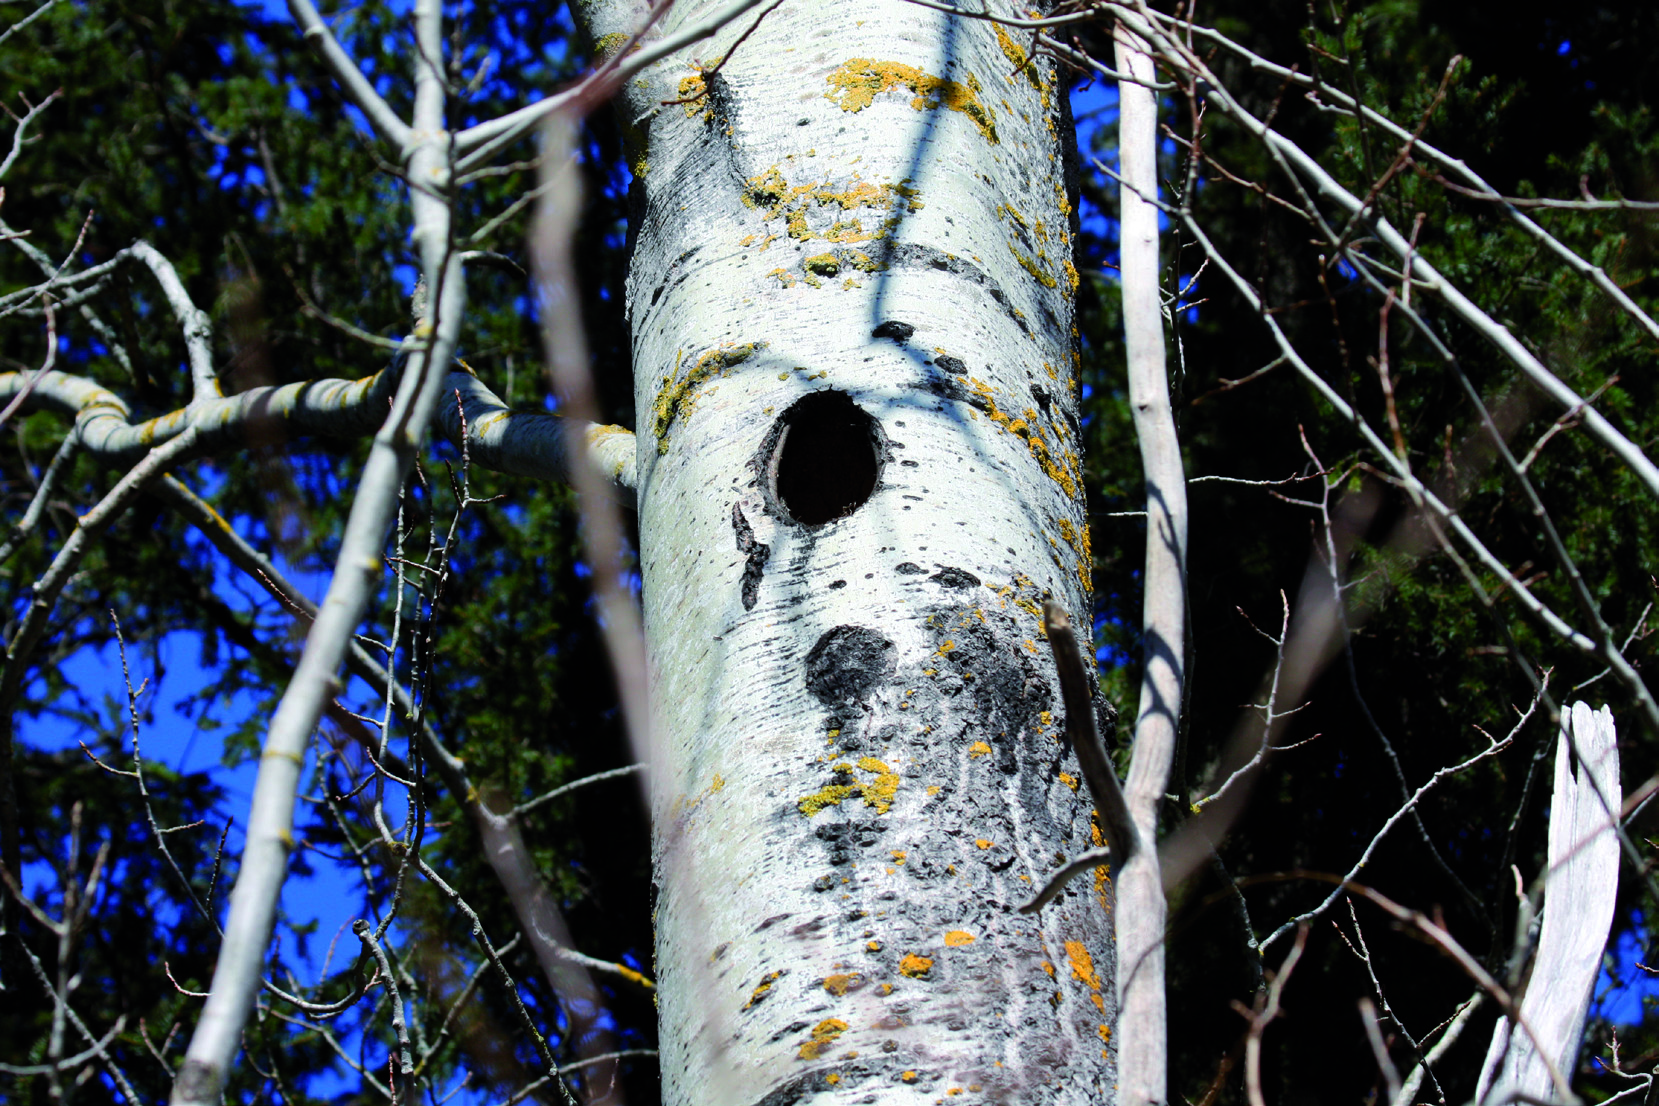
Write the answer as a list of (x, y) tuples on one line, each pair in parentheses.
[(524, 443)]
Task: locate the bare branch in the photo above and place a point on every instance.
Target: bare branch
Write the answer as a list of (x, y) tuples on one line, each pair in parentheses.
[(356, 86)]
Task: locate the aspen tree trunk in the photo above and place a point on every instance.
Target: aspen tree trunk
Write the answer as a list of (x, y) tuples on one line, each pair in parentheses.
[(859, 476)]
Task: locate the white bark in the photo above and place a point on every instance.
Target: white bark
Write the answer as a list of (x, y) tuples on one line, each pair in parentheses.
[(1581, 885), (1140, 923), (253, 900), (861, 775)]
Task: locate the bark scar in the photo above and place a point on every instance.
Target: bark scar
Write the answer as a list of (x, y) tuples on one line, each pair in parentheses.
[(758, 553)]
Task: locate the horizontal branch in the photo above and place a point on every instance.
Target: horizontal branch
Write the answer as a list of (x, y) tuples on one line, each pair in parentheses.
[(523, 443)]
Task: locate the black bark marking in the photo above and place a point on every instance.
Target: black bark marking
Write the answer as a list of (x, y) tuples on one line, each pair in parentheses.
[(892, 328), (1007, 693), (948, 577), (951, 365), (910, 568), (757, 554), (846, 664)]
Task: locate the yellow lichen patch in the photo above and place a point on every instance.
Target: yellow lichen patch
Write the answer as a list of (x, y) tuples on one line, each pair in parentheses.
[(1078, 538), (678, 395), (1105, 1032), (878, 791), (1038, 274), (840, 984), (983, 843), (908, 1077), (874, 946), (1059, 464), (1048, 967), (858, 81), (823, 264), (608, 45), (863, 262), (1069, 780), (788, 280), (1102, 872), (830, 795), (638, 977), (762, 988), (823, 1036), (978, 749), (915, 966), (694, 92), (956, 938), (945, 648), (766, 190), (1072, 279), (832, 1078), (1082, 969), (899, 855)]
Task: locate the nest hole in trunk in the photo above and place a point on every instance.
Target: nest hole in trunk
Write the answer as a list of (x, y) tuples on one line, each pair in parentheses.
[(827, 460)]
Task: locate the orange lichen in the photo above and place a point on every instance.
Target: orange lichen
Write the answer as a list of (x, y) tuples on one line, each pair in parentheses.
[(956, 938), (1082, 969), (978, 749), (983, 843), (858, 81), (1059, 464), (823, 1036), (915, 966), (878, 791), (679, 392), (908, 1077), (762, 988), (840, 983)]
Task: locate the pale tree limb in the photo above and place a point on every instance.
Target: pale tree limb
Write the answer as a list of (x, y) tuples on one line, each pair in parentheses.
[(356, 87), (253, 904), (1077, 691), (1341, 101), (1303, 170), (1582, 884), (1267, 1008), (602, 544), (13, 29), (509, 859), (1454, 1029), (1141, 909), (1492, 749), (523, 443), (198, 328)]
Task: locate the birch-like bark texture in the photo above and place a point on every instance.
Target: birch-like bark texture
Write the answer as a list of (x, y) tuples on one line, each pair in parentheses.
[(1581, 885), (1143, 1020), (859, 477)]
